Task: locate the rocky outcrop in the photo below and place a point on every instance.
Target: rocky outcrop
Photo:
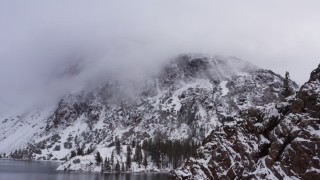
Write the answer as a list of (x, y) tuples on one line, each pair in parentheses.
[(310, 94), (276, 141)]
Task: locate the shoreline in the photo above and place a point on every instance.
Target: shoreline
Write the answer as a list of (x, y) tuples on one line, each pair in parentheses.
[(87, 172)]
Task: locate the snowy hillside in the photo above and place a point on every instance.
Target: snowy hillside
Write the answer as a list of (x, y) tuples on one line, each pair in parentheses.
[(192, 95), (19, 127)]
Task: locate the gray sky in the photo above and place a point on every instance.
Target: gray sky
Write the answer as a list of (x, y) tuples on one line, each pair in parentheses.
[(39, 38)]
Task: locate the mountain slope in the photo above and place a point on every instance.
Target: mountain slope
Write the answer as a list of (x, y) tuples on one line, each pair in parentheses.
[(190, 96), (276, 141)]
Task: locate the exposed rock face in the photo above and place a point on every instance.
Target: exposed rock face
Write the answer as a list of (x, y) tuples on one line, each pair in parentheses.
[(310, 94), (272, 142)]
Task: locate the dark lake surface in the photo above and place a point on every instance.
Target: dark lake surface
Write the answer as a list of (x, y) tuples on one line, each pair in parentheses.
[(43, 170)]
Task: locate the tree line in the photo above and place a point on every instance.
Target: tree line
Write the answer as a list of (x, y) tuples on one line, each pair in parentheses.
[(162, 154)]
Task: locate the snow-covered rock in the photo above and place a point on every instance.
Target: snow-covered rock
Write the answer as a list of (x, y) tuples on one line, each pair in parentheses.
[(192, 95), (276, 141)]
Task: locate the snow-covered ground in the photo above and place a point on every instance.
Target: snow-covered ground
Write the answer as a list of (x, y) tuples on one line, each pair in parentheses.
[(17, 128), (89, 163)]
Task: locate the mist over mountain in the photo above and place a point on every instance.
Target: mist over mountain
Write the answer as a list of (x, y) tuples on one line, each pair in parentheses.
[(41, 41), (203, 90)]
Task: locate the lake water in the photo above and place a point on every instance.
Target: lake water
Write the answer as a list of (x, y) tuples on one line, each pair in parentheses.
[(43, 170)]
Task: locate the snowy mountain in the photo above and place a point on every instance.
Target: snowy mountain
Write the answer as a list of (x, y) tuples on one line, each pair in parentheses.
[(191, 95), (276, 141)]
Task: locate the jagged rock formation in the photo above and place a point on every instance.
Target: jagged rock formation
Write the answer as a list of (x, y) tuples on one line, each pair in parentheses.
[(276, 141), (191, 96)]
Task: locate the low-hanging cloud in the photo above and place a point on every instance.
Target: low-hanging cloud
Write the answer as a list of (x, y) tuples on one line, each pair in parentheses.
[(49, 48)]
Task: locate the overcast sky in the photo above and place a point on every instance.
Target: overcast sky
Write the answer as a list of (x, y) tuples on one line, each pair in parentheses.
[(38, 37)]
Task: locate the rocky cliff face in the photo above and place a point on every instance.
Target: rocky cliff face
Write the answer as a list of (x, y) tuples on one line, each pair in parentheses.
[(191, 96), (277, 141)]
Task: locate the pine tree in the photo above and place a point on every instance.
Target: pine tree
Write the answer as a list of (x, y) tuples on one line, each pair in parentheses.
[(80, 152), (133, 144), (98, 158), (107, 167), (157, 153), (73, 154), (102, 167), (117, 169), (89, 150), (145, 160), (286, 86), (118, 146), (76, 142), (112, 160), (122, 168), (128, 161), (138, 154)]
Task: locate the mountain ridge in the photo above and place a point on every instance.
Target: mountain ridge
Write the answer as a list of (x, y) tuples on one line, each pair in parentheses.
[(191, 96)]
